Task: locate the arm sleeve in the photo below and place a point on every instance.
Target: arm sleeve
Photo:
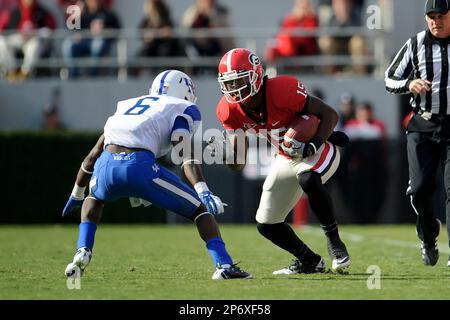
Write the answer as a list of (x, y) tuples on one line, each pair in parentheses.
[(223, 114), (192, 117), (180, 124), (397, 76)]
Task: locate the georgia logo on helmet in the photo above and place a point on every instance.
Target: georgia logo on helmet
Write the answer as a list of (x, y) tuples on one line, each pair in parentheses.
[(240, 75), (174, 83)]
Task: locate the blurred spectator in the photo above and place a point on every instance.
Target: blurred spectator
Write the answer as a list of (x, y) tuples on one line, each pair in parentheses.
[(156, 30), (51, 118), (5, 8), (346, 109), (325, 10), (65, 3), (365, 125), (96, 18), (32, 25), (345, 14), (366, 165), (207, 14), (289, 41)]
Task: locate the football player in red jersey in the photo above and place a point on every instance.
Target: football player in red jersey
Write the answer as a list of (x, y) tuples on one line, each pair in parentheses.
[(254, 101)]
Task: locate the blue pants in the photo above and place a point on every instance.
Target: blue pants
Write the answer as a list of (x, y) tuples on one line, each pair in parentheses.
[(94, 48), (139, 175)]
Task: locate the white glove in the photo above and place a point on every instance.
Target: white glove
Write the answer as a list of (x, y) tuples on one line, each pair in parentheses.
[(292, 147), (136, 202), (213, 203)]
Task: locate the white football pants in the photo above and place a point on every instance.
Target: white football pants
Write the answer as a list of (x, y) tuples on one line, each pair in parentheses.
[(281, 189)]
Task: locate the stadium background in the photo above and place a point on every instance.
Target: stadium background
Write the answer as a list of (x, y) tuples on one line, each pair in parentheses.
[(39, 167)]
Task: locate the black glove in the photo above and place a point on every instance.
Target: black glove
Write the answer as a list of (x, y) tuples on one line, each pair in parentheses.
[(339, 138), (311, 147)]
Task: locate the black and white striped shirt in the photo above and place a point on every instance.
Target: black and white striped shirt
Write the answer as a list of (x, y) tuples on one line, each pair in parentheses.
[(422, 57)]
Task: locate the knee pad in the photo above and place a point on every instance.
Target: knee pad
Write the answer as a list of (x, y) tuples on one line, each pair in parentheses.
[(309, 180)]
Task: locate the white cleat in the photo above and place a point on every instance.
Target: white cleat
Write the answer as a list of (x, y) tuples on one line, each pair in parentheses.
[(340, 264), (73, 271), (80, 261), (338, 254), (226, 272), (298, 268)]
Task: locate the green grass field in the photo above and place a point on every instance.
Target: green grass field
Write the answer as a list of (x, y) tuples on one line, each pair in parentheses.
[(171, 262)]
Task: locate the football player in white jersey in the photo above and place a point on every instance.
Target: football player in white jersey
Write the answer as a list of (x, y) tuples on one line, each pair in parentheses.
[(124, 163)]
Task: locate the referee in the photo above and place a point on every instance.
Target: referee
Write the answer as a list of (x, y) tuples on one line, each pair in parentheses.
[(422, 69)]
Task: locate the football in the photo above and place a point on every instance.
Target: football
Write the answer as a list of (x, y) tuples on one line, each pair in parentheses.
[(302, 129)]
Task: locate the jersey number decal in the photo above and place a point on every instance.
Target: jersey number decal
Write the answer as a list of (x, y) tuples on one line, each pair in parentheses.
[(141, 108)]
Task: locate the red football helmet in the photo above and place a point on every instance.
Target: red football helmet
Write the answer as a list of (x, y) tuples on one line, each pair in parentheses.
[(240, 75)]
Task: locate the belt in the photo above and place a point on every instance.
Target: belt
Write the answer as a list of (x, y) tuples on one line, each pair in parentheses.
[(114, 148), (427, 115)]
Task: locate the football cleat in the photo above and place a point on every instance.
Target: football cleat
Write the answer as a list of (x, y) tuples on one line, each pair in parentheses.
[(448, 263), (430, 251), (226, 272), (338, 254), (80, 261), (297, 268), (73, 271)]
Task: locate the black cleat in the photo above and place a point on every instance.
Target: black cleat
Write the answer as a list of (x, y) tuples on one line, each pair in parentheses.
[(230, 272), (430, 251), (338, 254), (298, 268)]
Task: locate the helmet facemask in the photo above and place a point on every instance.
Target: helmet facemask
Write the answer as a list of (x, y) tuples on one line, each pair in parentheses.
[(239, 86)]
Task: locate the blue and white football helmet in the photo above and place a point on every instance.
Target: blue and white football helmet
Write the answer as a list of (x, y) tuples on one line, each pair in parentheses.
[(174, 83)]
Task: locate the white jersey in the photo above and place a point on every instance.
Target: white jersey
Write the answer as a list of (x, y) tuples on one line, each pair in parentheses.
[(147, 122)]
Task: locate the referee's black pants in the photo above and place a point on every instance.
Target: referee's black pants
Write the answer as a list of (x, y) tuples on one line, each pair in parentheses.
[(425, 151)]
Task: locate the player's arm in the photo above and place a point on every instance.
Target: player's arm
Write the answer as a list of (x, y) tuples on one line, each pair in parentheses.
[(237, 157), (232, 147), (83, 176), (328, 116), (87, 166), (182, 141), (328, 120)]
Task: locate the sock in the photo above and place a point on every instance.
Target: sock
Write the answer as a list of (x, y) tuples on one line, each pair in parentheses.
[(282, 235), (331, 231), (219, 254), (86, 235), (319, 198)]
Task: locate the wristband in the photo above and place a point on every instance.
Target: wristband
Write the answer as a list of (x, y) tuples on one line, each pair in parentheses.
[(201, 187), (84, 169), (188, 161), (78, 192), (317, 141)]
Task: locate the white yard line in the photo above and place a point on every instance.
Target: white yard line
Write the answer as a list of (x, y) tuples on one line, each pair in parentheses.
[(356, 237)]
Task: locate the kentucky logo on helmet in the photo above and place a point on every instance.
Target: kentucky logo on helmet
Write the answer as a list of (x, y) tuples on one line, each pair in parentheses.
[(254, 59)]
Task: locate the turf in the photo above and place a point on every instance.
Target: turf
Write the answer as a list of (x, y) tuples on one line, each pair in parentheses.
[(171, 262)]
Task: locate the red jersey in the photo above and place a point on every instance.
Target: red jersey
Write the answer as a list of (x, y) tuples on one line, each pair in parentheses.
[(285, 98)]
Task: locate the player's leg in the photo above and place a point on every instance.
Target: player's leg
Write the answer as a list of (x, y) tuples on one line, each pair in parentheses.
[(166, 190), (91, 212), (280, 193), (311, 175), (446, 165), (209, 231), (423, 160)]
